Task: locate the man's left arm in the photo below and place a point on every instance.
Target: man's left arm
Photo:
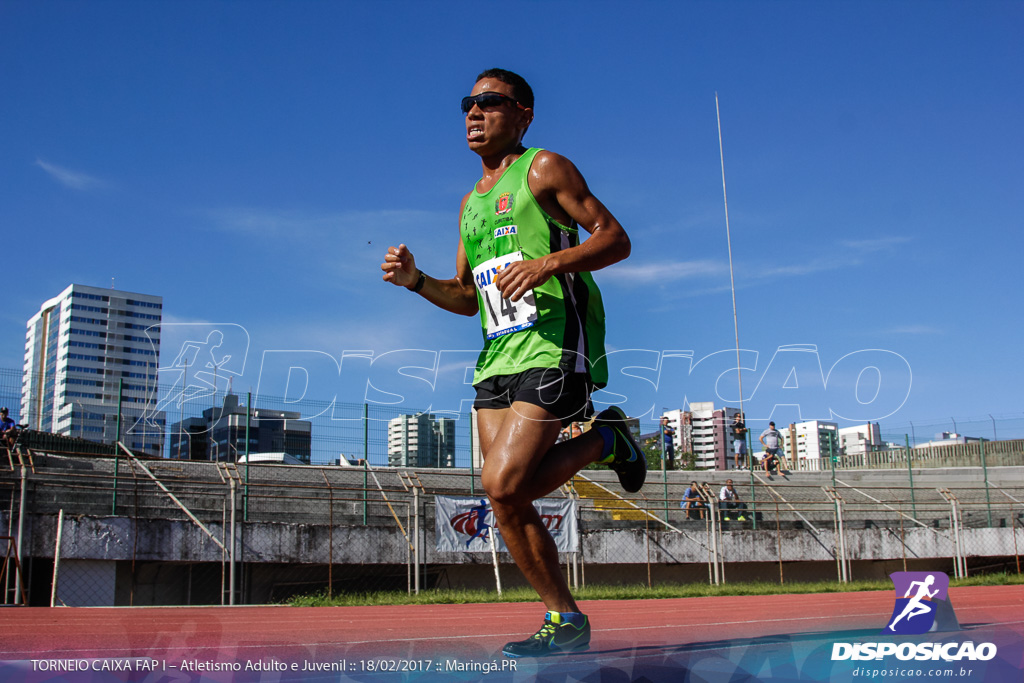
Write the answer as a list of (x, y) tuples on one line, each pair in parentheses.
[(562, 192)]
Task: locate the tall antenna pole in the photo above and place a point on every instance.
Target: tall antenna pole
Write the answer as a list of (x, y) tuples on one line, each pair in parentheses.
[(728, 237)]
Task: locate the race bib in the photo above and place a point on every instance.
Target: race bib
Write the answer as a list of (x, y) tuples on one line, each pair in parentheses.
[(504, 316)]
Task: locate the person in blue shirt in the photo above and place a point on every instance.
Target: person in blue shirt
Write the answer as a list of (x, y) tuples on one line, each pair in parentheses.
[(693, 502), (8, 430)]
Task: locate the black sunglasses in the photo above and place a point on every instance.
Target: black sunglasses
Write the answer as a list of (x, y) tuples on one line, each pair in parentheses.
[(487, 100)]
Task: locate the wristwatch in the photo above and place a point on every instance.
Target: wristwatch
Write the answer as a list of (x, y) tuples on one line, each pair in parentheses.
[(419, 282)]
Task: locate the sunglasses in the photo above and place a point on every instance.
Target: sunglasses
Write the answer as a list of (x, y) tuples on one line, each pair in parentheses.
[(487, 100)]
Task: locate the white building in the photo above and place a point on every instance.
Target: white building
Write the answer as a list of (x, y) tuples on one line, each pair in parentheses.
[(79, 347), (949, 439), (421, 440), (810, 440), (860, 439)]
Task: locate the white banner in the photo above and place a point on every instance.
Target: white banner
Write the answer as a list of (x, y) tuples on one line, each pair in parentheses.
[(465, 524)]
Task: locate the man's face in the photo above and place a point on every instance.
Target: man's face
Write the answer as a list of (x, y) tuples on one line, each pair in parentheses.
[(495, 129), (729, 483)]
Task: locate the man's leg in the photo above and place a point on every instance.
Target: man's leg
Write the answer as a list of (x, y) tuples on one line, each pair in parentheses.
[(521, 464)]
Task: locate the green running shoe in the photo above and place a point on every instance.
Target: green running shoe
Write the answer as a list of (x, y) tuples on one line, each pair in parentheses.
[(629, 461), (555, 637)]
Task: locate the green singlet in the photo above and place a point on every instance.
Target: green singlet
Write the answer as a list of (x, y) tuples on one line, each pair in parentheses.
[(558, 324)]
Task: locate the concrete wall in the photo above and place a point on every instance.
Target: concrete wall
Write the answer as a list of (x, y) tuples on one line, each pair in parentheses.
[(114, 538)]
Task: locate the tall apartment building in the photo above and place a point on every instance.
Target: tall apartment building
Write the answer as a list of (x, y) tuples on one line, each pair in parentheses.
[(421, 440), (79, 347), (219, 435), (704, 431)]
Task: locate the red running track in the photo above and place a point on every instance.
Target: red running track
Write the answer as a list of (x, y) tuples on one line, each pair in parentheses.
[(476, 632)]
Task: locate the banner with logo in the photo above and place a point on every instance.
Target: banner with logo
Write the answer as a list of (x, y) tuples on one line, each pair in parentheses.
[(466, 524)]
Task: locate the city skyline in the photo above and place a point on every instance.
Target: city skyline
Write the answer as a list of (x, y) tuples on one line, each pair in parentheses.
[(872, 163)]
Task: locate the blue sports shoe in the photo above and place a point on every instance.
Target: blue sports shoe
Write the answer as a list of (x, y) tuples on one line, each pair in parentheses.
[(628, 460), (556, 637)]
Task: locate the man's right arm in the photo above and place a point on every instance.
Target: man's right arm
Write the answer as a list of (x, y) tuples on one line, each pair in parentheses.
[(457, 294)]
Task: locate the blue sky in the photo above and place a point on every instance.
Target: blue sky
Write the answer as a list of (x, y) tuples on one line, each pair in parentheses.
[(251, 161)]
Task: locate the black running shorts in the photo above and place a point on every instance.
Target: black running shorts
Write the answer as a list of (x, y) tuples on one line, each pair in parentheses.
[(566, 395)]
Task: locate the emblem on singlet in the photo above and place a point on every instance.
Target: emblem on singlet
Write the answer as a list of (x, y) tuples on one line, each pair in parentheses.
[(504, 203)]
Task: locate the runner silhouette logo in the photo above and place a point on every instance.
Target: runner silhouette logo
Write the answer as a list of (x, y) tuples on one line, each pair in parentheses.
[(917, 596)]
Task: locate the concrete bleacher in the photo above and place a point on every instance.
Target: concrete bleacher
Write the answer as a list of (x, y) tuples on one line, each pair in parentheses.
[(363, 519), (308, 494)]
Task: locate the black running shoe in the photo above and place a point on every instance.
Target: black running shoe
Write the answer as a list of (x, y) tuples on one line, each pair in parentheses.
[(629, 461), (555, 637)]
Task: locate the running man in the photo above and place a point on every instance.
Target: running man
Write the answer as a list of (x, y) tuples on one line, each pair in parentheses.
[(916, 605), (522, 267)]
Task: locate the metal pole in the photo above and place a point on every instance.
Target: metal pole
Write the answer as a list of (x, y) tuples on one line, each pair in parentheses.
[(330, 537), (494, 559), (366, 483), (181, 414), (778, 537), (832, 458), (366, 457), (728, 238), (117, 451), (664, 468), (231, 556), (472, 465), (18, 583), (753, 488), (366, 432), (910, 473), (416, 536), (56, 557), (984, 469), (842, 540), (245, 494)]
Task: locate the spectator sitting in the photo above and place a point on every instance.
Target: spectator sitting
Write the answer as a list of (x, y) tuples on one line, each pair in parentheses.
[(728, 500), (693, 502), (769, 461), (771, 439), (8, 430)]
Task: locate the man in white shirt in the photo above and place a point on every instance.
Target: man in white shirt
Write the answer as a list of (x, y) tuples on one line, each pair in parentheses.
[(729, 499)]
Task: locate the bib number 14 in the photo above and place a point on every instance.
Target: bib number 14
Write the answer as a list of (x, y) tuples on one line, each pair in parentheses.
[(503, 316)]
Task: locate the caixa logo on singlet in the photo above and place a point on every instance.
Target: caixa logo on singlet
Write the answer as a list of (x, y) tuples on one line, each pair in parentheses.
[(505, 231), (504, 203)]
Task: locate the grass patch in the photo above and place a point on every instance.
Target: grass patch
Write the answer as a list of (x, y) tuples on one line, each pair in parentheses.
[(634, 592)]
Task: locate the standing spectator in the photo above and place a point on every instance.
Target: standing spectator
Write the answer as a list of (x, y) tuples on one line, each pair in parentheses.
[(729, 499), (667, 434), (739, 440), (693, 502), (771, 439)]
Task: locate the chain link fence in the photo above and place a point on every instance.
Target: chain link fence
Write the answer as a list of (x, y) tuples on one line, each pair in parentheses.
[(99, 530), (140, 530)]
